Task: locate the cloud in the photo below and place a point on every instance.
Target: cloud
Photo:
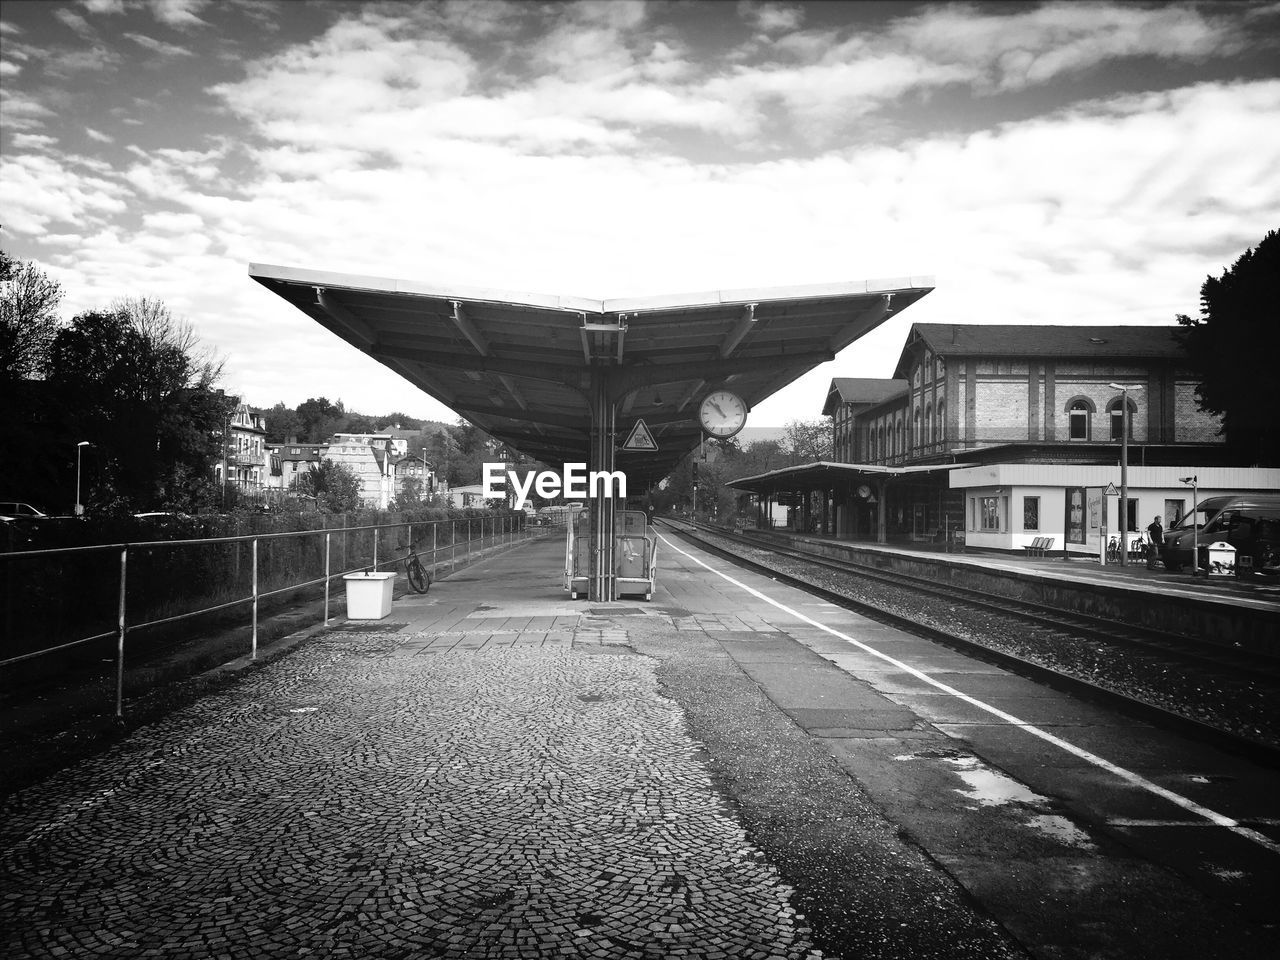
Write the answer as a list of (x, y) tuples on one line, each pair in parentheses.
[(73, 20), (103, 6), (99, 135), (9, 69), (771, 17), (158, 46), (21, 112), (33, 141), (39, 191), (1033, 46), (180, 14)]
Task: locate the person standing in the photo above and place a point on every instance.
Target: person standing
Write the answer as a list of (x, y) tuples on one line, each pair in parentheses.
[(1155, 540)]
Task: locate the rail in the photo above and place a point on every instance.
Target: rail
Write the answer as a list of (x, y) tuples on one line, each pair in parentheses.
[(445, 545)]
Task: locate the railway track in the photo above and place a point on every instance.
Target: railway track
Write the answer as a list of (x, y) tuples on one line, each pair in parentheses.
[(1218, 694)]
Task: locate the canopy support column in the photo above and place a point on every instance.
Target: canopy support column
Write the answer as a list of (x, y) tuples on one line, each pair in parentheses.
[(601, 459)]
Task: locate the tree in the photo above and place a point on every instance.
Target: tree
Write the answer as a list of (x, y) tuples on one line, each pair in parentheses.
[(282, 423), (319, 418), (28, 318), (807, 441), (334, 486), (1233, 345), (135, 382)]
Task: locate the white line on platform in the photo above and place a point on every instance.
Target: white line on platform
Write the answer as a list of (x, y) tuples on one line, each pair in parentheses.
[(1129, 776)]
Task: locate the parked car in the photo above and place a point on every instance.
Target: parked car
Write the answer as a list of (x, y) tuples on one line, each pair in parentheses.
[(16, 510), (1249, 522)]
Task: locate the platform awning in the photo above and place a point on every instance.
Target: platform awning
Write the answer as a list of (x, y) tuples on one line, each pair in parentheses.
[(823, 473), (520, 365)]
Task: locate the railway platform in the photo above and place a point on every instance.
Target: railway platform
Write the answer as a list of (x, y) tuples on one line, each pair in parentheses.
[(735, 769), (1243, 613)]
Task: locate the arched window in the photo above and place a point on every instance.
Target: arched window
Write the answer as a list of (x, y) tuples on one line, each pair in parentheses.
[(1080, 412), (902, 440), (941, 432), (915, 430), (881, 442), (928, 423), (1117, 417)]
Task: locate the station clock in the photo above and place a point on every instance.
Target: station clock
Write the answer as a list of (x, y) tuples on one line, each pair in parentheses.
[(722, 414)]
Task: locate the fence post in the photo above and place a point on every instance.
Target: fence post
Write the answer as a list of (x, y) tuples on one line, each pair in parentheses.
[(327, 536), (376, 530), (453, 544), (124, 565), (434, 525), (253, 650)]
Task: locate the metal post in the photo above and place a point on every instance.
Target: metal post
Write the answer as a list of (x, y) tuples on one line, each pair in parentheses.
[(376, 530), (434, 525), (453, 544), (124, 564), (327, 575), (1124, 478), (601, 457), (253, 650)]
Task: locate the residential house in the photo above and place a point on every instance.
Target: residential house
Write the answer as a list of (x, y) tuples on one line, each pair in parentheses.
[(244, 462)]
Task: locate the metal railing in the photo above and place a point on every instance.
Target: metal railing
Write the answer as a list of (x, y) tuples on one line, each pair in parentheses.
[(452, 542)]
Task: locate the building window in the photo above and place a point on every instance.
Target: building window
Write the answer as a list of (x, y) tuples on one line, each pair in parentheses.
[(902, 446), (915, 434), (1080, 413), (1030, 513), (1117, 418), (928, 423), (940, 433), (990, 513)]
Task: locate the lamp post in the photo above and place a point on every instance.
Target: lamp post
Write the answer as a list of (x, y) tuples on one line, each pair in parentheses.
[(1124, 468), (1195, 527), (79, 450)]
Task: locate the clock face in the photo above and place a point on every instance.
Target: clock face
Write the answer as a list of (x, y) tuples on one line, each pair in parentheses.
[(722, 414)]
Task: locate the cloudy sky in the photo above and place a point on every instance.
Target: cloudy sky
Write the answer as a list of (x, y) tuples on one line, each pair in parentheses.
[(1057, 163)]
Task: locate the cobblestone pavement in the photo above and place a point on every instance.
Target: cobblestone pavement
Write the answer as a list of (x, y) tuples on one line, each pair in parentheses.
[(453, 793)]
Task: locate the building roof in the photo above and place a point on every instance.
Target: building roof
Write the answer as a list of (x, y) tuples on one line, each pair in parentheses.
[(864, 390), (520, 366), (1031, 340)]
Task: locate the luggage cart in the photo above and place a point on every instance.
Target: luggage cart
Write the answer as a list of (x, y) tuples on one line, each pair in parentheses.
[(635, 555)]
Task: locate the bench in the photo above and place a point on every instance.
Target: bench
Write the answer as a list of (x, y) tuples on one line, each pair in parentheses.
[(1039, 546)]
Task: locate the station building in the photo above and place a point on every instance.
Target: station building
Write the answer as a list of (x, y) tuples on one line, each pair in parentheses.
[(999, 434)]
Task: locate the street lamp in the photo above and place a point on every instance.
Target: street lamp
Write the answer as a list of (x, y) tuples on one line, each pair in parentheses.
[(1195, 527), (1124, 467), (79, 450)]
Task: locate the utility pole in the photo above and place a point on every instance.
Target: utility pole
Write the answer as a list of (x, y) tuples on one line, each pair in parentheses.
[(1124, 468)]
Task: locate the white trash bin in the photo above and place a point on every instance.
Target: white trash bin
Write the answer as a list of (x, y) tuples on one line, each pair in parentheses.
[(1222, 559), (369, 595)]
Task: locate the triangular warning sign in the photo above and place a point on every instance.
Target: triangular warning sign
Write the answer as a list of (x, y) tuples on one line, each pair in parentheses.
[(640, 438), (1111, 490)]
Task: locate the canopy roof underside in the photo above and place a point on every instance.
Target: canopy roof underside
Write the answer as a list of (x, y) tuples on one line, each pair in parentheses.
[(520, 366)]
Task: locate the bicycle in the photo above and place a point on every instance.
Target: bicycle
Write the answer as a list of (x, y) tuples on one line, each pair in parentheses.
[(1113, 550), (418, 576)]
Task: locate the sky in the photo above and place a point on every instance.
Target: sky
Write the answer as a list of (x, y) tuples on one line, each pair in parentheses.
[(1045, 163)]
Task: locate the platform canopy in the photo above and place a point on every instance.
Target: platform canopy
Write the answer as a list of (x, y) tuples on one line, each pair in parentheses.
[(823, 474), (523, 367)]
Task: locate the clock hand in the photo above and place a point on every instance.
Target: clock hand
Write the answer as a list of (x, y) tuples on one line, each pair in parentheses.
[(718, 410)]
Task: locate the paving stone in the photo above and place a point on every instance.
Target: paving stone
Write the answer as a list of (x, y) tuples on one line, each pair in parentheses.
[(361, 799)]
